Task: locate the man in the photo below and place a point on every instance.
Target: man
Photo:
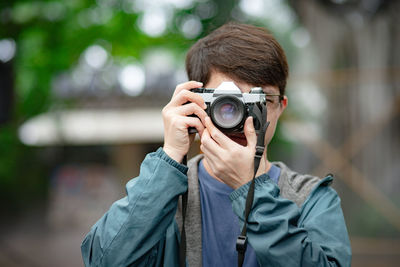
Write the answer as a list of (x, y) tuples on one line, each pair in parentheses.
[(295, 220)]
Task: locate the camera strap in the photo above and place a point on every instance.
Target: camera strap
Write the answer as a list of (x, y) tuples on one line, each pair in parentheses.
[(241, 242), (182, 245)]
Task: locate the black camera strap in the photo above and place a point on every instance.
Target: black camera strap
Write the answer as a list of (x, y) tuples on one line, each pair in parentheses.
[(182, 245), (241, 242)]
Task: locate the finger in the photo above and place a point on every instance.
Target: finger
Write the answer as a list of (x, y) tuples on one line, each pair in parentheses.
[(216, 134), (211, 156), (187, 86), (192, 108), (205, 136), (209, 145), (186, 96), (206, 140), (193, 122), (250, 132)]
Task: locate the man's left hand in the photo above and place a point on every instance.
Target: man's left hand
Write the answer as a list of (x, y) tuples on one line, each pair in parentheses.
[(228, 160)]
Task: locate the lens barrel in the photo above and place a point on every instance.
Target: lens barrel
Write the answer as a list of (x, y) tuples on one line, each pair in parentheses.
[(228, 112)]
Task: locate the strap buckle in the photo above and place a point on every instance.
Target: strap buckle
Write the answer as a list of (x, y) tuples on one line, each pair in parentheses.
[(259, 151), (241, 243)]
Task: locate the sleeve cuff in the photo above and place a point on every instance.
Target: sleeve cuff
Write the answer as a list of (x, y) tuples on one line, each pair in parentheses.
[(162, 155)]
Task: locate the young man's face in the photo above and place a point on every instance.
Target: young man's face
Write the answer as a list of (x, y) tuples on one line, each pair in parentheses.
[(274, 110)]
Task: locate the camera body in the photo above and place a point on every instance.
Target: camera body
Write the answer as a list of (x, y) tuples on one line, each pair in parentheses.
[(229, 108)]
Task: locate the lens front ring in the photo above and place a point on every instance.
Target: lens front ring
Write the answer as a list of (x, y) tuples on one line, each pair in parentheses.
[(227, 112)]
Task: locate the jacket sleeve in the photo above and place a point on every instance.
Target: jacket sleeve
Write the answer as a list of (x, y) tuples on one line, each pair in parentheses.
[(282, 234), (131, 230)]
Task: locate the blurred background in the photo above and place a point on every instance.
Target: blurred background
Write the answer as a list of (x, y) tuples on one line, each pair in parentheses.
[(82, 84)]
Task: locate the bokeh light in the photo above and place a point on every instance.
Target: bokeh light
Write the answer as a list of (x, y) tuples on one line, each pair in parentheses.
[(96, 56), (191, 26), (132, 79), (300, 37), (154, 22), (7, 49), (277, 13)]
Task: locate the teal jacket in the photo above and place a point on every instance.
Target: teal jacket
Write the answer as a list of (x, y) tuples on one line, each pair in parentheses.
[(298, 222)]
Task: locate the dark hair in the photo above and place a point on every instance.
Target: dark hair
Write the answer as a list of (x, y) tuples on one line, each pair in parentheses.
[(243, 52)]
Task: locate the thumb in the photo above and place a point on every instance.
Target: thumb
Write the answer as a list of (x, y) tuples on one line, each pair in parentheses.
[(250, 132)]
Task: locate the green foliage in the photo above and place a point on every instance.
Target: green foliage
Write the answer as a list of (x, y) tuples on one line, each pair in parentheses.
[(50, 37)]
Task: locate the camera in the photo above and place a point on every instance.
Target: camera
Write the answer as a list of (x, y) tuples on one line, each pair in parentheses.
[(228, 107)]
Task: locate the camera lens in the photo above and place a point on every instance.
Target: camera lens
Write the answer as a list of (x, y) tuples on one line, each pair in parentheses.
[(227, 112)]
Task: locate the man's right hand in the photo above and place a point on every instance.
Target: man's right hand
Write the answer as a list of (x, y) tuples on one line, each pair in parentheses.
[(177, 121)]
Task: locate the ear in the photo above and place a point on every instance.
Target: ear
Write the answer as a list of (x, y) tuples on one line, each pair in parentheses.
[(283, 105)]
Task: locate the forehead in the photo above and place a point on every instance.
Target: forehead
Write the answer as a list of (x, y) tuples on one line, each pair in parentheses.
[(216, 78)]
